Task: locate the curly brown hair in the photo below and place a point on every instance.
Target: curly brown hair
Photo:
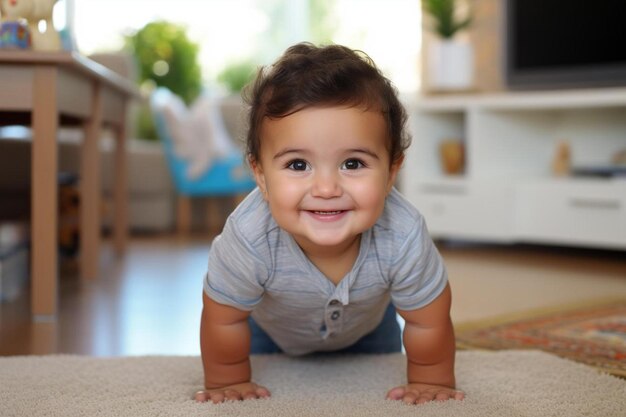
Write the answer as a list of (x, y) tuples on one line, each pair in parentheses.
[(307, 76)]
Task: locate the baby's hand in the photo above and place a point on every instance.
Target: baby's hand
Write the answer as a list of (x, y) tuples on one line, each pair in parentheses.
[(423, 393), (237, 392)]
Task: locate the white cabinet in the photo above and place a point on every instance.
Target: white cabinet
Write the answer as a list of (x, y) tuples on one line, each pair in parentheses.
[(507, 191), (466, 210), (584, 212)]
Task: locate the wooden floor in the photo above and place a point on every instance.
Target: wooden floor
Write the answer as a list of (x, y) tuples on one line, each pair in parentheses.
[(149, 302)]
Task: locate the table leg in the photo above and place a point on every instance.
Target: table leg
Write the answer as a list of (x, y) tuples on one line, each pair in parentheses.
[(120, 222), (44, 216), (90, 190)]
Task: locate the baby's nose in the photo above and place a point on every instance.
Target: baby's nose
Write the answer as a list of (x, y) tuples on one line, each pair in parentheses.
[(326, 185)]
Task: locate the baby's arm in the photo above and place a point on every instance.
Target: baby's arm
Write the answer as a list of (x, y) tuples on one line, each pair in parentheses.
[(429, 343), (225, 346)]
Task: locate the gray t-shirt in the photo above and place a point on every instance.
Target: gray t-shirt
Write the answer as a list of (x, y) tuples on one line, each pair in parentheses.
[(254, 265)]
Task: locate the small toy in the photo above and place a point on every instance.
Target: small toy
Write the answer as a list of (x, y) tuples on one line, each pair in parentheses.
[(28, 23), (14, 33)]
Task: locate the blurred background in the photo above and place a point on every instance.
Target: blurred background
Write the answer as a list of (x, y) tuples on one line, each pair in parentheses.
[(517, 110), (256, 31)]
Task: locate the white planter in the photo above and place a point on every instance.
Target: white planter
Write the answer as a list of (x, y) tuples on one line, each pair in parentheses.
[(450, 65)]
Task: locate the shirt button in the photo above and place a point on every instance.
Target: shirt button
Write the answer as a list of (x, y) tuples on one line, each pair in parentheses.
[(335, 315)]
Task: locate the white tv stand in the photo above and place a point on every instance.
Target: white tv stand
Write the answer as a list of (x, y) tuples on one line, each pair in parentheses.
[(508, 192)]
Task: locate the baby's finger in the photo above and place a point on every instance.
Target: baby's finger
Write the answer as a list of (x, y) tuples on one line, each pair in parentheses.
[(409, 398), (232, 395), (201, 396), (249, 395), (216, 397), (444, 396), (262, 392), (449, 395), (425, 397), (395, 393)]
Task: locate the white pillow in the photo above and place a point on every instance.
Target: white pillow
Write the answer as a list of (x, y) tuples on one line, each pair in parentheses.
[(212, 138), (176, 117), (198, 134)]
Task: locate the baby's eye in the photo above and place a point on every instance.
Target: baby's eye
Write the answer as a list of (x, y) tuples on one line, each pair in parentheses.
[(352, 164), (298, 165)]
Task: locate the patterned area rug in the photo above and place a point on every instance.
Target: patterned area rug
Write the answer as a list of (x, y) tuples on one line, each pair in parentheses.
[(593, 334)]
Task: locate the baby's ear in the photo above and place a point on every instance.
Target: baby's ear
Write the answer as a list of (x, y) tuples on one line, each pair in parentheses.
[(259, 176), (393, 172)]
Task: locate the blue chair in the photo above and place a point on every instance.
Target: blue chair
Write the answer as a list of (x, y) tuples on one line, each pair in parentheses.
[(226, 176)]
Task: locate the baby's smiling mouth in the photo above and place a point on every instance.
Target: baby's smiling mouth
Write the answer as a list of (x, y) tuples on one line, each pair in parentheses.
[(326, 216), (326, 213)]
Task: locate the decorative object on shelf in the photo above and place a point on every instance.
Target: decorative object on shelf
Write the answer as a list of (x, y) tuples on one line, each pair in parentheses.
[(450, 58), (14, 32), (45, 37), (452, 153), (619, 157), (39, 34), (562, 159)]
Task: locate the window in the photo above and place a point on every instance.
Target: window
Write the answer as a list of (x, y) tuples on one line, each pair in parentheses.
[(231, 30)]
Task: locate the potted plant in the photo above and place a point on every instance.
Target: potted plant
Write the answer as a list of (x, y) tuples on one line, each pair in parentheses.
[(165, 57), (450, 59)]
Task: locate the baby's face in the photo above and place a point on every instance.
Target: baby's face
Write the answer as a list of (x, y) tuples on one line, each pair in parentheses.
[(325, 173)]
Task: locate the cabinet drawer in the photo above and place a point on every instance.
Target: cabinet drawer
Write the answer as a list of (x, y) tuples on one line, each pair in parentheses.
[(468, 211), (573, 213)]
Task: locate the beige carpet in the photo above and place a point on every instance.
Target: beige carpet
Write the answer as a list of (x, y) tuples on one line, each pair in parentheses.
[(504, 383)]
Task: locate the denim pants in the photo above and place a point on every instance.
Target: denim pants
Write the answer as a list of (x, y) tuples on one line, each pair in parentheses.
[(385, 338)]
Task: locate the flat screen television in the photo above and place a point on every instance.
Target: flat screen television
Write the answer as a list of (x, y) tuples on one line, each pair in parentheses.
[(565, 43)]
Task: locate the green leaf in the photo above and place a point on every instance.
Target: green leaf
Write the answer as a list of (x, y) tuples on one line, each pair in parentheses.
[(443, 17), (167, 42)]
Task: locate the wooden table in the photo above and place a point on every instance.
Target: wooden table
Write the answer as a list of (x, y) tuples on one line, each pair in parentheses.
[(46, 90)]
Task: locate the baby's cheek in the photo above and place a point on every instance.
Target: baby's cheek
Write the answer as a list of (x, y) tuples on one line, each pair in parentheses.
[(371, 195)]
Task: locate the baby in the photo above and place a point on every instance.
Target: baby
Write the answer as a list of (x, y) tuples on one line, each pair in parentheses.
[(321, 255)]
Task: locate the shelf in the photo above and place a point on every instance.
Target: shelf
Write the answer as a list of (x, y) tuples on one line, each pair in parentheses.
[(556, 99), (510, 143)]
